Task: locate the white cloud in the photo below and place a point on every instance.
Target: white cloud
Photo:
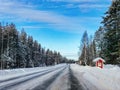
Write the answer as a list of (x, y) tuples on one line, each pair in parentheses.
[(51, 18), (78, 1), (70, 6), (86, 7), (92, 6), (32, 27), (69, 0)]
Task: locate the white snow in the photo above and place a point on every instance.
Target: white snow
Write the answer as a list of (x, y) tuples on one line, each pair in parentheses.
[(31, 84), (91, 78), (11, 73), (98, 79), (28, 85), (96, 59)]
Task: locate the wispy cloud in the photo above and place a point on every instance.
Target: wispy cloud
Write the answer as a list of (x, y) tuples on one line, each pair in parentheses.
[(86, 6), (38, 1), (92, 6), (51, 18), (34, 27), (77, 1), (24, 12)]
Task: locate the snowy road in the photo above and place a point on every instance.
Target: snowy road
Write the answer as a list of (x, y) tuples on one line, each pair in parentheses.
[(34, 81), (53, 78), (61, 77)]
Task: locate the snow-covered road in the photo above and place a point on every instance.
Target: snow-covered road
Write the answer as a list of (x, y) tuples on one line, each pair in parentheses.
[(61, 77), (38, 80)]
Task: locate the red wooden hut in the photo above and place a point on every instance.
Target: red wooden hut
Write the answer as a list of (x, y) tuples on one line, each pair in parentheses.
[(99, 62)]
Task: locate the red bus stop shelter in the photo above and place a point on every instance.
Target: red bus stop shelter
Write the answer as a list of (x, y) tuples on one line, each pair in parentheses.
[(99, 62)]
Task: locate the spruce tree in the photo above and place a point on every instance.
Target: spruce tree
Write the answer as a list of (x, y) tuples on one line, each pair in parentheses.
[(112, 33), (84, 48)]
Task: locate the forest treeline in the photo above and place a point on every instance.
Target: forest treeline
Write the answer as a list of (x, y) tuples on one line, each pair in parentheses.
[(106, 41), (18, 50)]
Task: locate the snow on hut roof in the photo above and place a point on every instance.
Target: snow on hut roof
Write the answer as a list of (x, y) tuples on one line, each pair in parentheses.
[(96, 59)]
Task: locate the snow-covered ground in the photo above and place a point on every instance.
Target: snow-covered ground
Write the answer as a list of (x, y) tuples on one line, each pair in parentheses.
[(90, 78), (29, 78), (11, 73), (93, 78)]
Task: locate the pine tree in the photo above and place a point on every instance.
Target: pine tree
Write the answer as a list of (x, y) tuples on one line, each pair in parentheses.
[(91, 51), (1, 45), (84, 48), (100, 42), (19, 51), (112, 33), (30, 62), (36, 53)]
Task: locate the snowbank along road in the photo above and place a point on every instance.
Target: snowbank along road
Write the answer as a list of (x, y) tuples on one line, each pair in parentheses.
[(58, 77)]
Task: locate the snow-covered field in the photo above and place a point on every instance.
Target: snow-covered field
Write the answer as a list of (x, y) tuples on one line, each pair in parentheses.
[(93, 78)]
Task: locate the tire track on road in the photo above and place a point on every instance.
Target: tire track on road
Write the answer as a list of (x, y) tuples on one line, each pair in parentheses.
[(74, 83), (27, 78), (47, 83)]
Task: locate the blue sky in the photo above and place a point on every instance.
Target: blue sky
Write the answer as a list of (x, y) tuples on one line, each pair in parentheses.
[(56, 24)]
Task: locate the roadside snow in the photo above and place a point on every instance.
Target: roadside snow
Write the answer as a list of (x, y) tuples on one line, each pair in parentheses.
[(11, 73), (93, 78)]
